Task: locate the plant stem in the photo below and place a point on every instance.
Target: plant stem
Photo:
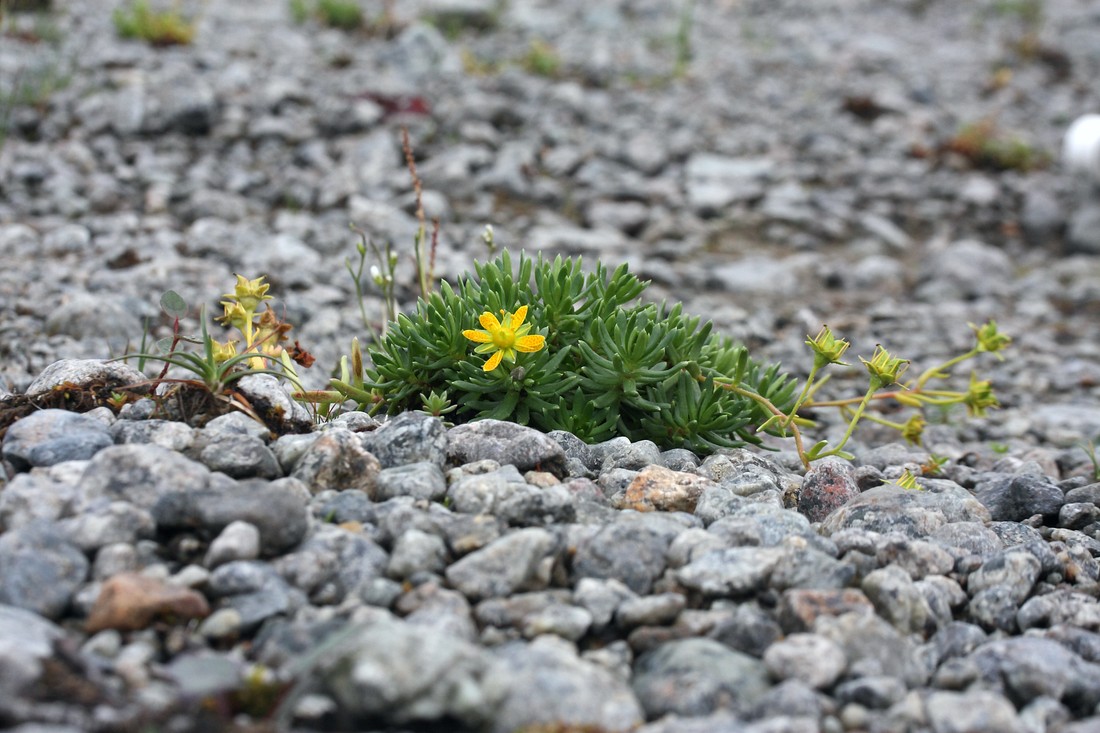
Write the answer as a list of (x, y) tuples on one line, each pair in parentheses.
[(939, 369), (852, 423), (802, 395), (767, 405)]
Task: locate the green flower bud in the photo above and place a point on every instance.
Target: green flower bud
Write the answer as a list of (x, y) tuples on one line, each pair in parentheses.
[(990, 339), (884, 368), (979, 396), (827, 348)]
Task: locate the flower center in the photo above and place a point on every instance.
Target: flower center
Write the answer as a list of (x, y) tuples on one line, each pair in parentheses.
[(504, 338)]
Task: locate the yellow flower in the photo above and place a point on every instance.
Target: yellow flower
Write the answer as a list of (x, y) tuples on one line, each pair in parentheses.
[(224, 352), (504, 338), (250, 293), (235, 315)]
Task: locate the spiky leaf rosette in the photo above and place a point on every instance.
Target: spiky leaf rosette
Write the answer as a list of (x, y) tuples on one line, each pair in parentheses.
[(612, 363)]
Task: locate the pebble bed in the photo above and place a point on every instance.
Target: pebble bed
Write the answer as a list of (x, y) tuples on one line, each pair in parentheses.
[(800, 165)]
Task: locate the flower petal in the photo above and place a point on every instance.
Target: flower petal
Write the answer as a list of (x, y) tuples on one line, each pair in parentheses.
[(518, 316), (530, 343), (481, 337), (489, 322), (494, 361)]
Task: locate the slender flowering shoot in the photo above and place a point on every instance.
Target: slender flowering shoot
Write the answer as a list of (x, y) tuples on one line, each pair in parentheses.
[(504, 337)]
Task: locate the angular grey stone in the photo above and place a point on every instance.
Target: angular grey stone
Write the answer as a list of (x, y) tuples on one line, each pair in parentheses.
[(876, 692), (602, 598), (1062, 607), (732, 572), (141, 474), (898, 600), (254, 590), (35, 495), (716, 502), (521, 560), (713, 182), (634, 456), (692, 677), (919, 557), (237, 541), (511, 611), (873, 646), (750, 629), (480, 493), (1015, 570), (1015, 498), (410, 437), (630, 549), (101, 525), (802, 566), (337, 461), (970, 536), (546, 683), (1083, 235), (973, 711), (807, 657), (47, 437), (239, 456), (559, 619), (333, 562), (276, 508), (430, 604), (39, 570), (103, 315), (392, 671), (415, 552), (26, 639), (507, 443), (913, 513), (1028, 667), (659, 609), (175, 436), (422, 480)]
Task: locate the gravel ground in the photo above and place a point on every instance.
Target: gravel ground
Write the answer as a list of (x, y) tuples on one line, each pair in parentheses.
[(889, 167)]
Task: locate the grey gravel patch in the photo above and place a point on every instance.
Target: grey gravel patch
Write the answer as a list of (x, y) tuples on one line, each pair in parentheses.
[(780, 202)]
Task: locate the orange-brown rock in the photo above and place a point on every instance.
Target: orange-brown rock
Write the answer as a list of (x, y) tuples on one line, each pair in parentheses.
[(130, 601), (660, 489)]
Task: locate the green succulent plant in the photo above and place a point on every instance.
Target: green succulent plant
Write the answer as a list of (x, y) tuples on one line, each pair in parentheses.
[(607, 364)]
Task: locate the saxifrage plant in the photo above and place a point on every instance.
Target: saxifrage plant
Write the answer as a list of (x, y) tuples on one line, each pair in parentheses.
[(570, 351)]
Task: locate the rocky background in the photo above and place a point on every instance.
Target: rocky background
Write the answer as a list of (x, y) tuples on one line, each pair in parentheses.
[(888, 167)]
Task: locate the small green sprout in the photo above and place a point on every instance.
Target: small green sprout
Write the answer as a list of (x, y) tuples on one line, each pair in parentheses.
[(140, 21), (1090, 450), (437, 404), (934, 465), (542, 59), (907, 481), (343, 14)]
